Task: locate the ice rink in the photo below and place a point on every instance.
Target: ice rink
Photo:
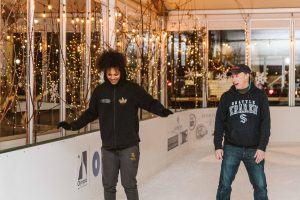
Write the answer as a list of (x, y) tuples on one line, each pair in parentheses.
[(195, 176)]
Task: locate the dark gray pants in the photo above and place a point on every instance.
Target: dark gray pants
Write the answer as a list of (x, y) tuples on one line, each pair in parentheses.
[(125, 160)]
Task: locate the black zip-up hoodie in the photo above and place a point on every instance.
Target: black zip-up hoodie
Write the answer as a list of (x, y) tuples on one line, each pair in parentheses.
[(243, 119), (116, 107)]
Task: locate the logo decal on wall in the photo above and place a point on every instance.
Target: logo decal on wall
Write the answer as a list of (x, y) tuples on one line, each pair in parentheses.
[(82, 172), (201, 131), (173, 142), (96, 163), (192, 121), (184, 135), (178, 135)]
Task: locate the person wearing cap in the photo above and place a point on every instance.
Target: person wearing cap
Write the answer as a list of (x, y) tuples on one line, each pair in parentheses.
[(242, 131), (115, 103)]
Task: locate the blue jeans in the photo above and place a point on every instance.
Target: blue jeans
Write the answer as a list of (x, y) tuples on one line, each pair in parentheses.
[(230, 165)]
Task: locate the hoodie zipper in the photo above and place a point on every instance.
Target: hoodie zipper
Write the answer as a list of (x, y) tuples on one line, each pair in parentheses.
[(115, 118)]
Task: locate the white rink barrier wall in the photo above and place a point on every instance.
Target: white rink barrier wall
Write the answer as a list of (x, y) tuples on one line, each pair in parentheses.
[(70, 169)]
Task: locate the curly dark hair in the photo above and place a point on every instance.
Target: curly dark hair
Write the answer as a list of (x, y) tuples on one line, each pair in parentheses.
[(111, 59)]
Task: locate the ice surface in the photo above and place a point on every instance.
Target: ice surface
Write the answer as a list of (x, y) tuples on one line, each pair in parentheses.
[(195, 177)]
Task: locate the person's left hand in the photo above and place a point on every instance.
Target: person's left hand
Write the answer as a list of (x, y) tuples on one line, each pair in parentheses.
[(166, 113), (259, 156), (64, 125)]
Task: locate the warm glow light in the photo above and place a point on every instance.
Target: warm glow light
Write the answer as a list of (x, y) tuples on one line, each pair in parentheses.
[(271, 91), (17, 61)]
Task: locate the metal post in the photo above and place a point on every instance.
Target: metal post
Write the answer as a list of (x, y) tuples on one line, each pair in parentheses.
[(62, 61), (87, 80), (205, 74), (248, 42), (29, 71), (44, 64), (292, 65), (109, 23), (163, 68)]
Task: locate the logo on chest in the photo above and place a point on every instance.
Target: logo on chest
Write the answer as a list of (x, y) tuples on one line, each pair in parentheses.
[(243, 118), (105, 100), (122, 101)]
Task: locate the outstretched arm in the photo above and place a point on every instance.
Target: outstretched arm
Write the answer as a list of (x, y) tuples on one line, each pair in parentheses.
[(87, 116), (147, 102)]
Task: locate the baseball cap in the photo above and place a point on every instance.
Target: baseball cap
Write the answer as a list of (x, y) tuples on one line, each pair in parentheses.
[(235, 69)]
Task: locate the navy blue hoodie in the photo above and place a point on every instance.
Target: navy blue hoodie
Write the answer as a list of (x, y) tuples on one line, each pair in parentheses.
[(116, 107), (243, 119)]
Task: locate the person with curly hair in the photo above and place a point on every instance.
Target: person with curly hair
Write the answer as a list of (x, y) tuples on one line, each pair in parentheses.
[(115, 103)]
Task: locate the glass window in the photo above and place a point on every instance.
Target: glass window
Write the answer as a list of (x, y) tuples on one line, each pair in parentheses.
[(185, 65), (270, 63), (13, 61), (46, 64), (226, 48)]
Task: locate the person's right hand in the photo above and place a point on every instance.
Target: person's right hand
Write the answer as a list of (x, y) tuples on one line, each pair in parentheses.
[(64, 125), (219, 154)]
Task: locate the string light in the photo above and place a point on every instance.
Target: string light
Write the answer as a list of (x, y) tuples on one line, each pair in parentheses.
[(128, 41), (44, 14), (49, 5)]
